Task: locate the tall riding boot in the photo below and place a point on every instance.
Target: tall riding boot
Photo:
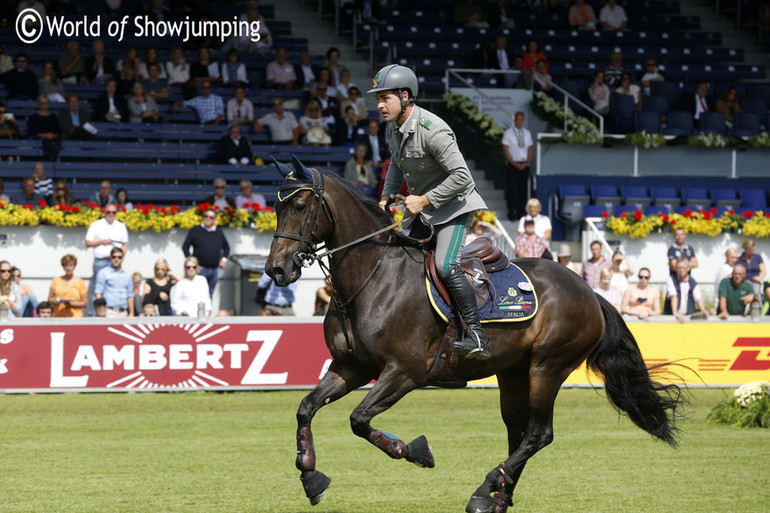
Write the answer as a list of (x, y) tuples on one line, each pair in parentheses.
[(473, 344)]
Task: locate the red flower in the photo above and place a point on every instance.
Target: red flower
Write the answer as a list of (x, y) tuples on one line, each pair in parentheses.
[(268, 209), (174, 209), (42, 203), (76, 209), (747, 215), (714, 210), (638, 215), (706, 215), (215, 207), (146, 210), (624, 215), (605, 214), (665, 219), (202, 207), (93, 205), (687, 213), (731, 212), (673, 222), (29, 207)]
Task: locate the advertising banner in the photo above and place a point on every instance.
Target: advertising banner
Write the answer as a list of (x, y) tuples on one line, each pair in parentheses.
[(292, 354)]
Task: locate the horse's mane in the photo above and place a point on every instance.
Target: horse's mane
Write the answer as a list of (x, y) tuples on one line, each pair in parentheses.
[(370, 206)]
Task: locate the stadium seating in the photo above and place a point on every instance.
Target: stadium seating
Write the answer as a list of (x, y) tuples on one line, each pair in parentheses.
[(573, 198), (679, 123), (665, 197), (712, 122), (746, 124), (605, 195), (635, 196), (725, 198), (696, 197), (753, 199), (649, 121)]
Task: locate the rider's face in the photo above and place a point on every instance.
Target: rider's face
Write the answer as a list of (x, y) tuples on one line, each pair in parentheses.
[(389, 105)]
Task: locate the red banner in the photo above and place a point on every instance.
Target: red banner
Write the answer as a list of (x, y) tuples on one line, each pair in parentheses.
[(121, 357)]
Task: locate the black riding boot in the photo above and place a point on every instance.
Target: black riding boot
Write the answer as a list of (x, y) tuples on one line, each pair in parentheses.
[(473, 344)]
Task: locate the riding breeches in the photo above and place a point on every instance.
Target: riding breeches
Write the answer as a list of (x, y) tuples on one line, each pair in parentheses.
[(450, 238)]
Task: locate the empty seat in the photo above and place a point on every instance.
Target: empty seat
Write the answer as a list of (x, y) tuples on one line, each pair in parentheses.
[(725, 198), (573, 198), (668, 90), (754, 199), (605, 195), (713, 122), (665, 197), (649, 121), (597, 210), (758, 90), (656, 104), (746, 124), (696, 197), (622, 108), (755, 105), (653, 211), (635, 196), (679, 123)]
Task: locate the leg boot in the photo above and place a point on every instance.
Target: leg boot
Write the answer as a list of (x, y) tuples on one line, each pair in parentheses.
[(473, 344)]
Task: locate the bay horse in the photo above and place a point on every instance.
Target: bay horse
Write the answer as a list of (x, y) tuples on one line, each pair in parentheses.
[(381, 327)]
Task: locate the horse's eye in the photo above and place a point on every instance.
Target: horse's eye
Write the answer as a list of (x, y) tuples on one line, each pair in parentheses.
[(298, 208)]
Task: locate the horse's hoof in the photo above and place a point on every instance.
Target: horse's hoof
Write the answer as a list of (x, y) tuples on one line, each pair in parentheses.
[(420, 453), (480, 504), (315, 484)]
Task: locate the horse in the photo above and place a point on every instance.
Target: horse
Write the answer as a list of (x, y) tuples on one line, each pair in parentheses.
[(380, 326)]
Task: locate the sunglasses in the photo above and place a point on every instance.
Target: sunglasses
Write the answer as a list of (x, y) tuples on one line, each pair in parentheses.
[(209, 217), (643, 277), (219, 186), (107, 211), (61, 189), (117, 257), (191, 267), (5, 270)]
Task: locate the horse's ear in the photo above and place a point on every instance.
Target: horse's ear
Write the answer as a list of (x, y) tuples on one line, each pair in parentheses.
[(303, 173), (285, 170)]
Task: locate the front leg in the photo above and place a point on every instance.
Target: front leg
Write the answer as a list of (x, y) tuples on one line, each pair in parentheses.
[(337, 382)]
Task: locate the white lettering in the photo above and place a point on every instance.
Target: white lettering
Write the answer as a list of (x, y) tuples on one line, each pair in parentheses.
[(113, 356), (254, 375), (179, 357), (209, 355), (6, 336), (58, 26), (86, 357), (3, 367), (235, 351), (58, 379), (152, 357)]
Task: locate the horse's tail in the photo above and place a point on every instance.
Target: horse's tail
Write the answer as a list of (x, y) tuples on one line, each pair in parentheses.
[(652, 406)]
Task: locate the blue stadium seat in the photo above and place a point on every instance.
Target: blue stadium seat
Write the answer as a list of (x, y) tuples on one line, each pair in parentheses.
[(653, 211), (725, 198), (755, 105), (649, 121), (669, 90), (657, 104), (605, 195), (754, 199), (665, 197), (758, 90), (713, 122), (695, 197), (622, 108), (679, 123), (597, 210), (635, 196), (573, 198), (746, 124)]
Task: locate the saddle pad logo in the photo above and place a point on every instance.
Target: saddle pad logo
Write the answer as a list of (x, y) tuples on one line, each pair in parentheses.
[(512, 291)]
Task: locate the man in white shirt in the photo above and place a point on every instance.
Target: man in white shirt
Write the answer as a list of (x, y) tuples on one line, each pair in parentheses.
[(683, 293), (240, 109), (103, 235), (284, 128), (699, 104), (517, 149), (280, 74), (613, 17)]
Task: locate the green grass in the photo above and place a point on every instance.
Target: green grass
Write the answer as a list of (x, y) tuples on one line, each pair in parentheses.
[(207, 452)]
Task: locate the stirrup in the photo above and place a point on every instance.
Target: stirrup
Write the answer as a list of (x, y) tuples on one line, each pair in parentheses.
[(471, 346)]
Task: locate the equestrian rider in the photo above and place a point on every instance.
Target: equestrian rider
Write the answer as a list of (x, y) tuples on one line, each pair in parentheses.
[(425, 154)]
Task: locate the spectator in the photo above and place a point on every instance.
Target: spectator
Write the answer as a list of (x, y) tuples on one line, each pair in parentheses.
[(280, 74), (323, 297), (27, 195), (304, 72), (613, 17), (218, 199), (697, 103), (543, 227), (68, 294), (315, 127), (582, 16), (234, 149), (121, 198), (9, 128), (3, 197), (43, 125), (131, 61), (347, 131), (20, 81), (755, 266), (104, 235), (599, 94), (240, 109), (728, 105), (43, 185), (155, 86), (359, 172), (61, 194), (483, 57), (725, 270), (150, 58), (284, 128), (6, 62), (621, 269), (344, 85), (651, 74), (71, 66), (614, 72), (125, 86), (177, 69), (370, 10), (10, 295), (50, 85), (103, 197), (136, 281), (329, 104), (210, 108), (629, 89), (529, 244), (736, 294), (209, 246), (542, 80), (564, 256), (517, 149), (278, 300), (245, 42), (115, 285), (99, 66), (680, 250), (359, 104), (28, 300), (502, 59), (641, 299), (109, 106), (158, 12), (142, 107), (190, 291), (606, 291), (247, 197), (501, 15), (468, 14), (234, 71), (75, 123), (683, 293), (204, 70), (157, 290), (376, 147), (44, 309), (594, 265), (100, 307), (479, 228), (334, 66), (532, 55)]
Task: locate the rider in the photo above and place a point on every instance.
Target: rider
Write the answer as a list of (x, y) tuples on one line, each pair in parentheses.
[(425, 154)]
